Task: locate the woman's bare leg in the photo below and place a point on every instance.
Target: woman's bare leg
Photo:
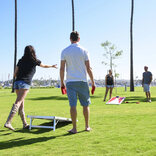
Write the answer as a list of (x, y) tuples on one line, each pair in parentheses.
[(21, 94), (106, 93), (22, 114), (110, 95)]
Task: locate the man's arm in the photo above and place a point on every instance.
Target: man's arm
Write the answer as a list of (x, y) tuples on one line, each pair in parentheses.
[(62, 68), (150, 79), (142, 80), (90, 73)]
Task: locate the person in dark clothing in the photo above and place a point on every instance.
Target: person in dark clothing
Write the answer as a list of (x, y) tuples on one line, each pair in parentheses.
[(109, 83), (24, 72), (146, 81)]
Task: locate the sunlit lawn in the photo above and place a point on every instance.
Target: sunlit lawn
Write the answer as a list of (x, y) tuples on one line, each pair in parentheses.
[(128, 129)]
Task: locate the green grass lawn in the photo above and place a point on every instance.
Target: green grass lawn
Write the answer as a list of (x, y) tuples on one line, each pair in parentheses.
[(128, 129)]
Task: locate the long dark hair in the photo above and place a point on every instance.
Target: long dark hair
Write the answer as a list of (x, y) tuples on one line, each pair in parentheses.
[(29, 53)]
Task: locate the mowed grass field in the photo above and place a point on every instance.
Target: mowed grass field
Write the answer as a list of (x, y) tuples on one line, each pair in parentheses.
[(128, 129)]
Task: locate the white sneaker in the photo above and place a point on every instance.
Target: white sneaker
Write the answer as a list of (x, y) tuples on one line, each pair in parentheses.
[(150, 101), (9, 126)]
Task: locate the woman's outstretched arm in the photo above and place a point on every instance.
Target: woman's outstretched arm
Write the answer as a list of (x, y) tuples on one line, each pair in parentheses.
[(48, 66)]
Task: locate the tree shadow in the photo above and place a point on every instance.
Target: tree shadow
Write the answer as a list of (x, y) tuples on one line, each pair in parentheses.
[(18, 142), (50, 98), (95, 97), (135, 99), (5, 134), (153, 98), (44, 130)]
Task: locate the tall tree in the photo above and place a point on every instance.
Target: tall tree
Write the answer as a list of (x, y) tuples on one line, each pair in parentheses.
[(15, 52), (111, 53), (131, 47), (73, 16)]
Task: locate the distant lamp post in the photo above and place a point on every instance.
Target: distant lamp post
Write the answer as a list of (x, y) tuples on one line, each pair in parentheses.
[(15, 51), (131, 48)]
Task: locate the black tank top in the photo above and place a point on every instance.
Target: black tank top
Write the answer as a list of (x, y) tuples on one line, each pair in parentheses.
[(109, 80)]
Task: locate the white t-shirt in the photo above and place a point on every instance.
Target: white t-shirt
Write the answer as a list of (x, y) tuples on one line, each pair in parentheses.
[(75, 57)]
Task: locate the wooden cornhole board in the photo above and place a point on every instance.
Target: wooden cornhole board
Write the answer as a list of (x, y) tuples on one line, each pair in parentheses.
[(116, 100)]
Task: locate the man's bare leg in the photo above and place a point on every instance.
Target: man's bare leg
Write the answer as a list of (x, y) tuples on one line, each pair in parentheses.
[(86, 113), (73, 113), (149, 96)]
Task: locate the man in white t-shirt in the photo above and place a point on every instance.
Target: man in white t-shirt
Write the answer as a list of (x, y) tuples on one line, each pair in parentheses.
[(76, 60)]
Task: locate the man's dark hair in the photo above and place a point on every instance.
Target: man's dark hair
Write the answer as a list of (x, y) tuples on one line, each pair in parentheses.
[(74, 36)]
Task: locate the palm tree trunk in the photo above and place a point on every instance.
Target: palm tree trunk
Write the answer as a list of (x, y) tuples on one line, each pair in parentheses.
[(131, 47), (73, 17), (15, 52)]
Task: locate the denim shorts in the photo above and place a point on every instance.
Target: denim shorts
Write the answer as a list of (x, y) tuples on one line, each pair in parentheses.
[(21, 85), (110, 86), (146, 88), (78, 89)]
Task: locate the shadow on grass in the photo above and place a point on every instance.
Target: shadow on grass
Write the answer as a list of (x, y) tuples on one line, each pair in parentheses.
[(135, 99), (22, 142), (153, 99), (50, 98), (44, 130), (5, 134), (95, 97), (19, 142), (60, 98)]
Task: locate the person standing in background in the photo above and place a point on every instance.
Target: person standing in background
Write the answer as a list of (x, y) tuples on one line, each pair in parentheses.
[(146, 81), (109, 83)]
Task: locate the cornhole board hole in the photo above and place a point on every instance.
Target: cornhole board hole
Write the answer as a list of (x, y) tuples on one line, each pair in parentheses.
[(55, 120), (116, 100)]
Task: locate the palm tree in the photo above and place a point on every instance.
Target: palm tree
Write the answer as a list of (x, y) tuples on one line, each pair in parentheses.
[(131, 47), (15, 52), (73, 16)]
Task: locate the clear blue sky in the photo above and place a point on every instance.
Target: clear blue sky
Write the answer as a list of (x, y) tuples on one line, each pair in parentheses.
[(47, 24)]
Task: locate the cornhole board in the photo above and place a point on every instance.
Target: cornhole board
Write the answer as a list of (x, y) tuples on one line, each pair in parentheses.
[(55, 120), (116, 100)]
